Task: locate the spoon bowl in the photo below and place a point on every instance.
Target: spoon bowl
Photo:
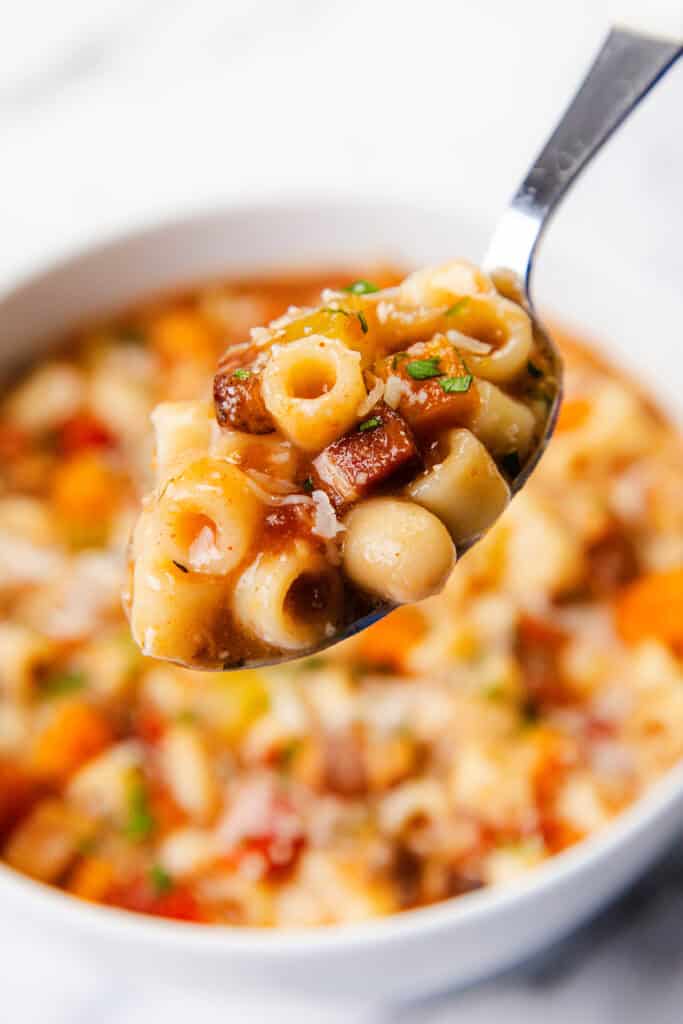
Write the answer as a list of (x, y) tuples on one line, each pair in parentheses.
[(626, 68)]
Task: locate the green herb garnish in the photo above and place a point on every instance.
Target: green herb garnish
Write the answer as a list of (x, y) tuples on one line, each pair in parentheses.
[(533, 370), (394, 361), (242, 374), (179, 565), (453, 385), (361, 287), (457, 307), (288, 754), (371, 424), (140, 823), (186, 717), (308, 485), (329, 309), (311, 664), (363, 322), (424, 369), (62, 683), (160, 880), (511, 463), (131, 335)]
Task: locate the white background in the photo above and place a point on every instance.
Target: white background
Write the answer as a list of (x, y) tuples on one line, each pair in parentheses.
[(120, 111)]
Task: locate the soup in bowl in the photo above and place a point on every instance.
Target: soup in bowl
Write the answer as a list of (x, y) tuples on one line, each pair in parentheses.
[(448, 751)]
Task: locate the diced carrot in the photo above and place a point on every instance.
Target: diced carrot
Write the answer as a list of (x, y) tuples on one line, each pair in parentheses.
[(183, 335), (387, 643), (85, 490), (652, 607), (573, 414), (91, 879), (75, 733)]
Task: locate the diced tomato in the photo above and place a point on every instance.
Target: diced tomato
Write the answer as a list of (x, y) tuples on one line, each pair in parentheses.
[(13, 442), (149, 725), (83, 431), (272, 829), (18, 793), (279, 854), (178, 903), (539, 645)]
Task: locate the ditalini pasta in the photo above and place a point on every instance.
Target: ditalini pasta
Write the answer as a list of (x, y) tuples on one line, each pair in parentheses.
[(351, 450)]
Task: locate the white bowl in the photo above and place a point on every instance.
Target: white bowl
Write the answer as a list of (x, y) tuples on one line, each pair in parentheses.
[(419, 951)]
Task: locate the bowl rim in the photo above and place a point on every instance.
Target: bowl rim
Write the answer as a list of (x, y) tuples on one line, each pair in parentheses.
[(557, 871)]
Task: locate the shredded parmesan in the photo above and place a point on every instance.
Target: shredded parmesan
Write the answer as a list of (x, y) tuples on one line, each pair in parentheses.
[(270, 483), (371, 399), (203, 549), (326, 523), (393, 389), (479, 348)]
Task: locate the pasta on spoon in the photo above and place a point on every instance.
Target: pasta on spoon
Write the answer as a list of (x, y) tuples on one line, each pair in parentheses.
[(350, 453)]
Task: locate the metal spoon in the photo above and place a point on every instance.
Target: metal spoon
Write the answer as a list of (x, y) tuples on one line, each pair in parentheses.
[(628, 65)]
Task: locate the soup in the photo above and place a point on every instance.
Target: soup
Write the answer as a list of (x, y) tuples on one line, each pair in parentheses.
[(452, 746)]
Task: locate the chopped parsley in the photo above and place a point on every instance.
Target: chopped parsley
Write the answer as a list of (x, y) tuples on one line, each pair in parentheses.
[(363, 322), (511, 463), (160, 880), (62, 683), (179, 565), (140, 823), (371, 424), (457, 307), (312, 664), (394, 361), (131, 335), (453, 385), (424, 369), (242, 374), (308, 485), (533, 370), (288, 754), (329, 309), (186, 717), (361, 287)]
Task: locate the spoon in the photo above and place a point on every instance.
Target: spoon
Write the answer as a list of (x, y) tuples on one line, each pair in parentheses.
[(627, 66)]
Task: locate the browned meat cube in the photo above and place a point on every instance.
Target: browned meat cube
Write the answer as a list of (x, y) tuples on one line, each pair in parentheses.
[(348, 469), (239, 402), (436, 389)]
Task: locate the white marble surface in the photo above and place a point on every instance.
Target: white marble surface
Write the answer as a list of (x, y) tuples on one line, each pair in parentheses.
[(125, 110)]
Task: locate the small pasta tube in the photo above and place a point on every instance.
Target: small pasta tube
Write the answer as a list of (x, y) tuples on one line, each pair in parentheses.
[(501, 423), (24, 655), (290, 598), (503, 324), (51, 394), (175, 614), (186, 769), (182, 433), (312, 388), (465, 491), (442, 286), (397, 550), (207, 518)]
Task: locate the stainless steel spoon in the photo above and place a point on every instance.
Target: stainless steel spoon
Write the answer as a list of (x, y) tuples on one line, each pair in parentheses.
[(628, 65)]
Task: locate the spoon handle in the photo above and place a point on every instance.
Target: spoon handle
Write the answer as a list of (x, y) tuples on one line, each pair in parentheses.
[(626, 68)]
